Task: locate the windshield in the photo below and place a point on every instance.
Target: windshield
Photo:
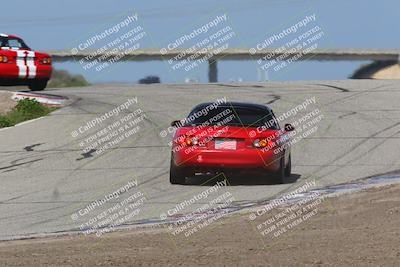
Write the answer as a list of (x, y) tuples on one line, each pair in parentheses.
[(234, 116), (13, 43)]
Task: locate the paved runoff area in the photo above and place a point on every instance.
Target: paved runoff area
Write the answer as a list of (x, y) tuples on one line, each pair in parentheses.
[(63, 172)]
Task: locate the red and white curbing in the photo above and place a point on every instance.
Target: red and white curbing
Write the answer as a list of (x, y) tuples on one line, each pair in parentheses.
[(50, 100)]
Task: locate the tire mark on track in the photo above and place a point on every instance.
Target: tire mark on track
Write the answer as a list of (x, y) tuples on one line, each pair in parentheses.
[(341, 89), (324, 166)]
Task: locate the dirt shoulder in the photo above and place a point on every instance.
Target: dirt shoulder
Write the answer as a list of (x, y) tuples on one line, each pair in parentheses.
[(354, 230), (6, 103)]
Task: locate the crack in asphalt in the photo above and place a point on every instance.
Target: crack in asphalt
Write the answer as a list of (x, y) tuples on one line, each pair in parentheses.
[(274, 99), (87, 155), (347, 114), (30, 148)]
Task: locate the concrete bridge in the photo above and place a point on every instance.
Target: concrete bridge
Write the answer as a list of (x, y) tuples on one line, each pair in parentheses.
[(213, 56)]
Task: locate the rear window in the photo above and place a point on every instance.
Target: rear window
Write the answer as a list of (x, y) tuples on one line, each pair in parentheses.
[(233, 116), (12, 43)]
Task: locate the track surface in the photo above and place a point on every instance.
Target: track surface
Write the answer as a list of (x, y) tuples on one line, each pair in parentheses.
[(45, 178)]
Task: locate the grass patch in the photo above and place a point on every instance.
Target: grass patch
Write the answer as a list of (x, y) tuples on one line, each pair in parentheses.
[(26, 109), (62, 78)]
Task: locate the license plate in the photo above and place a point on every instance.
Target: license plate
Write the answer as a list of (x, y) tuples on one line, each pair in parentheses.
[(225, 144)]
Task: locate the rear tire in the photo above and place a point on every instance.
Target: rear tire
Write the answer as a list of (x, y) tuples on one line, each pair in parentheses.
[(176, 176), (38, 85), (288, 169), (280, 175)]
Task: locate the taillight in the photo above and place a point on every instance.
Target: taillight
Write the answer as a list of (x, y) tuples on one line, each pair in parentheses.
[(3, 59), (187, 140), (45, 61), (263, 143)]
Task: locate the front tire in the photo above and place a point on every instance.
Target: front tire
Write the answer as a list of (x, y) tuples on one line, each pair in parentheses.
[(176, 175), (38, 85)]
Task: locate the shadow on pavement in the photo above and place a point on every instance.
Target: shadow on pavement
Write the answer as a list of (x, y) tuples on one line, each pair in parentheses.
[(209, 180)]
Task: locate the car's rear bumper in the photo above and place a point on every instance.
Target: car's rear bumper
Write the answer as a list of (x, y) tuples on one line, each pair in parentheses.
[(207, 159)]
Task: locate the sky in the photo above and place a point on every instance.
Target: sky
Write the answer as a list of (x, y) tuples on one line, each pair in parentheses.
[(50, 25)]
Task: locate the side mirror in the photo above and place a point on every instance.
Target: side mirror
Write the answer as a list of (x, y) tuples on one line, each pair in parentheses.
[(175, 123), (289, 127)]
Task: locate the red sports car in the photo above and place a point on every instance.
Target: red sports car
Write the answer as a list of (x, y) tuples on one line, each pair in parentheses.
[(233, 138), (19, 65)]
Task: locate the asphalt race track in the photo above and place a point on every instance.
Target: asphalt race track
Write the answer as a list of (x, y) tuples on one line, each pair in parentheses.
[(45, 176)]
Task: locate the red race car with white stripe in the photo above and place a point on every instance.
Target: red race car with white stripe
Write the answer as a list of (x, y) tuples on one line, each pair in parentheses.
[(19, 65)]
